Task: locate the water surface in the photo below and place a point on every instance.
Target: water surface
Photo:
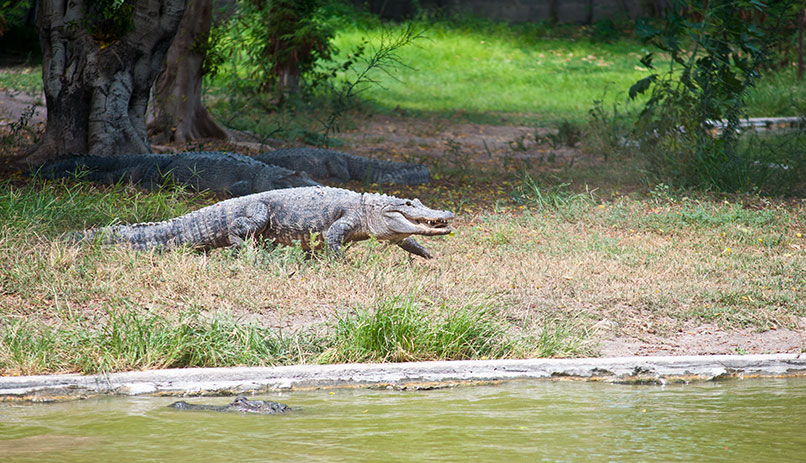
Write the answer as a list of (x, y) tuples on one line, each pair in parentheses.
[(743, 420)]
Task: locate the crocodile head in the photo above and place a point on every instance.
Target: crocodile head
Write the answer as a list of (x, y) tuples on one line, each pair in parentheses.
[(264, 407), (396, 217)]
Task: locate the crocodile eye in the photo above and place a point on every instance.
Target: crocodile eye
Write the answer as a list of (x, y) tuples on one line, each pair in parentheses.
[(408, 203)]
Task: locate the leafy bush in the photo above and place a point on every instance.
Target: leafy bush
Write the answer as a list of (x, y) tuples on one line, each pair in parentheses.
[(328, 86), (12, 14), (690, 126), (275, 43), (607, 133), (18, 35)]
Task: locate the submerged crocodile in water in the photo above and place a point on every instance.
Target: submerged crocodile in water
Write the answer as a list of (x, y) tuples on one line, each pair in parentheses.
[(215, 171), (314, 217), (335, 166), (241, 405)]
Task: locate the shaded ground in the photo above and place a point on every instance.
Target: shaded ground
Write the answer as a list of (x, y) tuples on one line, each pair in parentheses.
[(472, 166), (13, 104)]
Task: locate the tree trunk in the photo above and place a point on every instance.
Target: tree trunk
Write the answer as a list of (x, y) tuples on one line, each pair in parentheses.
[(178, 113), (96, 92), (801, 24), (288, 76)]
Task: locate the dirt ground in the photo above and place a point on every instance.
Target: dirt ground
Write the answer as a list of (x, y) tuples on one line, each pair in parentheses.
[(404, 138)]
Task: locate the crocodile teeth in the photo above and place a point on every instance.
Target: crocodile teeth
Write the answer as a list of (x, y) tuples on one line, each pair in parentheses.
[(433, 223)]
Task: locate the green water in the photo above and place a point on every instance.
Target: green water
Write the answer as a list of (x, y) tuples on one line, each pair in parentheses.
[(749, 420)]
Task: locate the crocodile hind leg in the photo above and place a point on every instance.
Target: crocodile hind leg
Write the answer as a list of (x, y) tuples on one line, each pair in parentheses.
[(254, 220)]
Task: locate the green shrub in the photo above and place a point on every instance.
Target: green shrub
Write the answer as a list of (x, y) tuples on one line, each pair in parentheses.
[(690, 127)]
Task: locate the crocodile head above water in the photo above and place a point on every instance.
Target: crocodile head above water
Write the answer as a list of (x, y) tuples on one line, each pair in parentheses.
[(240, 404), (268, 407), (396, 217)]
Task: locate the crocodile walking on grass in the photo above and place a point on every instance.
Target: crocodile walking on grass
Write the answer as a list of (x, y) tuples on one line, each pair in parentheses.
[(241, 405), (314, 217)]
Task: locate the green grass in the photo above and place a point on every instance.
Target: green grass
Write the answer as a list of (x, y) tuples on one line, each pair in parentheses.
[(778, 93), (491, 74), (129, 340), (395, 330), (548, 197), (562, 337), (47, 206), (399, 330), (521, 73), (23, 79)]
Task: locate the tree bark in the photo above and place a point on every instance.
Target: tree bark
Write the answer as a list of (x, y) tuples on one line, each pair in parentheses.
[(288, 76), (178, 114), (801, 24), (97, 93)]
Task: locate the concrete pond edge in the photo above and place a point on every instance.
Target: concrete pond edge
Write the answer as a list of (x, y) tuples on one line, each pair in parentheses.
[(416, 375)]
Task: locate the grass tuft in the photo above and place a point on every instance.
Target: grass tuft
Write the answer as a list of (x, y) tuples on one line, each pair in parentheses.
[(554, 198), (562, 338), (397, 330)]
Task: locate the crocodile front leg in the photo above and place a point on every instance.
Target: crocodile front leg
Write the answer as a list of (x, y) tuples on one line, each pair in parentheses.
[(338, 233), (412, 246)]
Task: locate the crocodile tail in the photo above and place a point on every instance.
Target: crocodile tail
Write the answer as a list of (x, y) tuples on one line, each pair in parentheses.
[(383, 171), (114, 234), (414, 174), (142, 236), (205, 228), (87, 236)]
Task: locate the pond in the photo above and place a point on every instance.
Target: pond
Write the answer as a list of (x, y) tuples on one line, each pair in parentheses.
[(741, 420)]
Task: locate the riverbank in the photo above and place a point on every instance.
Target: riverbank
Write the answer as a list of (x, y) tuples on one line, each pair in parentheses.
[(420, 375)]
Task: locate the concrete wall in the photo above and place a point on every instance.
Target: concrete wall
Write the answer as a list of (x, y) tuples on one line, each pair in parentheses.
[(564, 11)]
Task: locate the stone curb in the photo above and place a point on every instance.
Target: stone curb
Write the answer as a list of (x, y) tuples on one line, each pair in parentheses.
[(228, 381), (765, 123)]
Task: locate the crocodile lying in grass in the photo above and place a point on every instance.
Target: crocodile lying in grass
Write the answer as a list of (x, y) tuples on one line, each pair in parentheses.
[(215, 171), (335, 166), (314, 217), (235, 174), (241, 405)]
